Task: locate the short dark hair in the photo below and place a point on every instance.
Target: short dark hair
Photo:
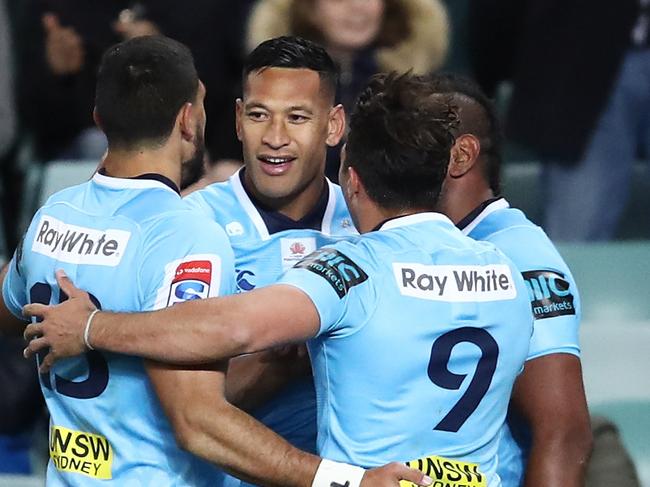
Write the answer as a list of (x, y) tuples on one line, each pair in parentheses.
[(295, 53), (400, 142), (484, 124), (142, 83)]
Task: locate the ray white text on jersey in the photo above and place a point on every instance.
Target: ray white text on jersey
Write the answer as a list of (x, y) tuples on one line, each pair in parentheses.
[(455, 283)]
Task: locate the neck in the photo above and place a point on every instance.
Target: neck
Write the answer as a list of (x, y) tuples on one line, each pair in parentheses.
[(460, 197), (295, 206), (120, 163), (371, 218)]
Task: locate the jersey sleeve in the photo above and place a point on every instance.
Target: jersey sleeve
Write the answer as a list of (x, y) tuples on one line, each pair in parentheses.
[(554, 298), (328, 277), (186, 257), (556, 307), (14, 285)]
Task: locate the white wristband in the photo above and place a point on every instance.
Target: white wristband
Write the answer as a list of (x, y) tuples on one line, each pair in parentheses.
[(335, 474), (87, 330)]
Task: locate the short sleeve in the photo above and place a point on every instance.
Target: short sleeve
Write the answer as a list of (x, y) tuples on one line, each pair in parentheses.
[(556, 307), (185, 258), (328, 277), (554, 297)]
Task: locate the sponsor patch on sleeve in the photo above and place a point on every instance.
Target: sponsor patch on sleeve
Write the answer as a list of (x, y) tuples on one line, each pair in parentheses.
[(80, 452), (446, 472), (336, 268), (194, 277), (550, 294)]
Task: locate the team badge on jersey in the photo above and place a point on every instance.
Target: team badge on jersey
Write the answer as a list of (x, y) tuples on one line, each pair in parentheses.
[(194, 277), (192, 281), (296, 249)]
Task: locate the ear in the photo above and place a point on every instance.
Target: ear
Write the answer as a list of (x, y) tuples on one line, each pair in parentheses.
[(464, 154), (354, 186), (239, 113), (96, 119), (186, 122), (335, 126)]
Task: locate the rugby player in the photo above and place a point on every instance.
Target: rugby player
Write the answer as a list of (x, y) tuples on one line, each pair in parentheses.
[(547, 439), (280, 208), (127, 236), (416, 332)]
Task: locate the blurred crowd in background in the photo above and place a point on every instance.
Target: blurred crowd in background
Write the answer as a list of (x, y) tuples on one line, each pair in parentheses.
[(571, 79)]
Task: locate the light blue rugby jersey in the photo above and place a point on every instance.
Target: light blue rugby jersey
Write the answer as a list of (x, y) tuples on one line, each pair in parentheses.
[(553, 295), (409, 361), (135, 246), (266, 244)]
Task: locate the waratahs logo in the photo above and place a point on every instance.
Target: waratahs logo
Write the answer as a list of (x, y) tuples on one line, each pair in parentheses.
[(245, 280), (297, 248)]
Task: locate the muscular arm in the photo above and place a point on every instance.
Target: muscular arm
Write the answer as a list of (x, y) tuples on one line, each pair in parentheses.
[(206, 425), (550, 395), (254, 379), (193, 332)]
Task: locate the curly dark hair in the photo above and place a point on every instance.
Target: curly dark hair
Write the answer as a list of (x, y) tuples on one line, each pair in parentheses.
[(400, 141)]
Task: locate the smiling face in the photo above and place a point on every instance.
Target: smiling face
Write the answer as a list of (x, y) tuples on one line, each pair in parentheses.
[(285, 123)]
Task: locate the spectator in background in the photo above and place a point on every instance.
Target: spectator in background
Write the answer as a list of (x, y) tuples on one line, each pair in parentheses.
[(64, 42), (7, 112), (214, 31), (581, 95), (364, 37)]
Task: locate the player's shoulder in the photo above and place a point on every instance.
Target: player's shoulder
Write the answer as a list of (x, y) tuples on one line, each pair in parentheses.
[(216, 200), (521, 240)]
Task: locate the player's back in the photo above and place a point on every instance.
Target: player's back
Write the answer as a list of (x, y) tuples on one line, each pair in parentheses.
[(554, 299), (421, 351), (106, 420)]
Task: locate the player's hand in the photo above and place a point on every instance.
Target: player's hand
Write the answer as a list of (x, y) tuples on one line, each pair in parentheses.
[(390, 475), (64, 49), (62, 327)]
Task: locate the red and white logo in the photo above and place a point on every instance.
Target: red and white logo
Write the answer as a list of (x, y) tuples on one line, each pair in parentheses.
[(297, 248)]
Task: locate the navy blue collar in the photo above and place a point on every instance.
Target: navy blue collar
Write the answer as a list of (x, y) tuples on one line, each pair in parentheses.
[(277, 222), (471, 216), (151, 176)]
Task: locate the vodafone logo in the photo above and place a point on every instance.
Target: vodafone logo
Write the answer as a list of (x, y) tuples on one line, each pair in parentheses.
[(191, 281), (197, 269), (195, 276), (193, 270)]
